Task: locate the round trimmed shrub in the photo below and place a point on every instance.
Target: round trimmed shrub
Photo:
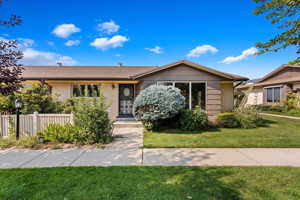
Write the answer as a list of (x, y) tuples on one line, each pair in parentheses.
[(193, 120), (228, 120), (158, 102)]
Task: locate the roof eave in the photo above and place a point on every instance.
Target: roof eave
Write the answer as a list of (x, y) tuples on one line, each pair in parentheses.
[(191, 64)]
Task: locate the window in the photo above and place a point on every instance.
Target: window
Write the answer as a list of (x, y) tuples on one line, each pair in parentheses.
[(273, 94), (198, 95), (194, 93), (86, 90), (277, 94), (185, 91)]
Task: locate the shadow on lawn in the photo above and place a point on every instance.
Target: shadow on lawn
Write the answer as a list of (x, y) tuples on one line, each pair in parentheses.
[(265, 123), (206, 183), (218, 183)]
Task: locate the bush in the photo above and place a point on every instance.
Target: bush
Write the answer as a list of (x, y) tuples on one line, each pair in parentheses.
[(7, 105), (65, 133), (240, 118), (294, 111), (28, 142), (24, 142), (272, 108), (34, 98), (228, 120), (193, 120), (7, 142), (292, 101), (158, 102), (248, 118), (69, 105), (92, 117)]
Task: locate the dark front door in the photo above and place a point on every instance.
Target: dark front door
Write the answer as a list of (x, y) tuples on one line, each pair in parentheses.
[(126, 98)]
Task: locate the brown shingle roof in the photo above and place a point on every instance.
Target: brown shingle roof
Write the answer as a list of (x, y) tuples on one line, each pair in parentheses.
[(274, 72), (266, 82), (83, 72), (278, 81), (109, 72)]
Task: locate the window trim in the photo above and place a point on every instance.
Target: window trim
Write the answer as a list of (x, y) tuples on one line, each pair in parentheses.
[(190, 89)]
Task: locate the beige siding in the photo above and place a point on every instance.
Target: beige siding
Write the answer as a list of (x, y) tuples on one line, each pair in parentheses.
[(214, 99), (63, 91), (296, 86), (111, 94), (255, 97), (227, 96), (179, 73)]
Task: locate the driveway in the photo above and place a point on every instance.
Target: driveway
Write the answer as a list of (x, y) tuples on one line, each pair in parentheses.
[(126, 150)]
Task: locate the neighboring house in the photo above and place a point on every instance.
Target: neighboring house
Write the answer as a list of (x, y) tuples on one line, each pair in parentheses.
[(274, 87), (208, 88)]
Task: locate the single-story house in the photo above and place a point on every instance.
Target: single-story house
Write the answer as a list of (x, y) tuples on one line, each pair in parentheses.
[(203, 86), (274, 87)]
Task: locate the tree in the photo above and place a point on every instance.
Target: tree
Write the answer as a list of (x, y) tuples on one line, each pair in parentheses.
[(10, 69), (34, 98), (286, 13)]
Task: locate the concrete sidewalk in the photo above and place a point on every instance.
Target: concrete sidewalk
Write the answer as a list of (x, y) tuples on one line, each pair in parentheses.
[(135, 156), (127, 150)]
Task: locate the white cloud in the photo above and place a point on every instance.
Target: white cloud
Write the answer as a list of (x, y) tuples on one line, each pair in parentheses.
[(246, 53), (203, 49), (25, 42), (65, 30), (70, 43), (35, 57), (108, 27), (157, 49), (50, 43), (22, 42), (106, 43)]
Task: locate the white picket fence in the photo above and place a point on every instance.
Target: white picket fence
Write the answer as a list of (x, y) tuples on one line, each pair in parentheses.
[(32, 123)]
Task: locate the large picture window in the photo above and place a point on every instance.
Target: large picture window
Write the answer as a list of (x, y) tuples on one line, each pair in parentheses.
[(198, 95), (194, 92), (273, 94), (185, 91), (86, 90)]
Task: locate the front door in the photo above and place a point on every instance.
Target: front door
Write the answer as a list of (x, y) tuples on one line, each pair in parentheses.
[(126, 98)]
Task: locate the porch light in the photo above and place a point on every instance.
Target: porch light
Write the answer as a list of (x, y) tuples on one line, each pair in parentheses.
[(18, 105)]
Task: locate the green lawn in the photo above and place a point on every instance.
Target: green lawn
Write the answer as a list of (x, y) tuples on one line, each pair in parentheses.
[(128, 183), (279, 132)]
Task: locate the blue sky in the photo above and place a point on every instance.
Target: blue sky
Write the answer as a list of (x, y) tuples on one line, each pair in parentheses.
[(155, 32)]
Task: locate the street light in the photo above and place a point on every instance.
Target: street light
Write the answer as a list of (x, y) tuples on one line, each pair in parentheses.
[(18, 105)]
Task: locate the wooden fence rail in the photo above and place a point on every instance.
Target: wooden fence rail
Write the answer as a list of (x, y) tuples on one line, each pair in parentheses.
[(33, 123)]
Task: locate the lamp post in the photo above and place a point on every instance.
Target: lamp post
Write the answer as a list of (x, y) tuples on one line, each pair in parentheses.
[(18, 106)]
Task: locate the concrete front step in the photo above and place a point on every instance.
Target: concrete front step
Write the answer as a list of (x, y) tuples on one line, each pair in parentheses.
[(128, 124)]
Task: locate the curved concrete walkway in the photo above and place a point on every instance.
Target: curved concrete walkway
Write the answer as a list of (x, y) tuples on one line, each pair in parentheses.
[(282, 116), (127, 150)]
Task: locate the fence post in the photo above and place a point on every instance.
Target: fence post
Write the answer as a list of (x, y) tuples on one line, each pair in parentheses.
[(35, 123), (72, 118)]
